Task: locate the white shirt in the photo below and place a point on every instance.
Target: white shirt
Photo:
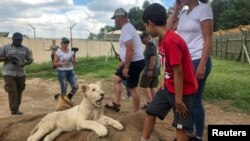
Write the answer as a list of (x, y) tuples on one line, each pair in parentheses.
[(128, 32), (62, 56), (189, 28)]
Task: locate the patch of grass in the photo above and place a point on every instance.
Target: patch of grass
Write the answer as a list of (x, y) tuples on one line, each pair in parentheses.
[(96, 67), (87, 68), (43, 70), (229, 81)]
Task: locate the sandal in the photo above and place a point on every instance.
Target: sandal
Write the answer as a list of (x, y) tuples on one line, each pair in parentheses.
[(191, 138), (144, 107), (114, 106)]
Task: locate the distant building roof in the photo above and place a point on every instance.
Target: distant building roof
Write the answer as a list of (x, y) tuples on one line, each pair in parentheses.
[(4, 34), (233, 30)]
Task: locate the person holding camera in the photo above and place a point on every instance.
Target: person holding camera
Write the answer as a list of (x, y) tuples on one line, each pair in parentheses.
[(64, 61), (15, 56)]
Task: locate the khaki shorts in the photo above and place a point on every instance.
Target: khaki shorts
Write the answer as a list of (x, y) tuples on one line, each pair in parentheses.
[(148, 82)]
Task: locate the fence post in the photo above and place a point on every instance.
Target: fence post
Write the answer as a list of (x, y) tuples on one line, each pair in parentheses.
[(216, 46), (245, 48), (244, 51), (220, 44), (226, 49)]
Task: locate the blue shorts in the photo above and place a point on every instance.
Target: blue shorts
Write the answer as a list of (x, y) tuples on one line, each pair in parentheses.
[(164, 101)]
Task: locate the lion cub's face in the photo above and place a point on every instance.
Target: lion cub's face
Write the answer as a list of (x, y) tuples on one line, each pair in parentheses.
[(93, 93)]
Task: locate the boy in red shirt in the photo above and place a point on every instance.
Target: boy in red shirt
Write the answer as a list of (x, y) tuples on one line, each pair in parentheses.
[(180, 82)]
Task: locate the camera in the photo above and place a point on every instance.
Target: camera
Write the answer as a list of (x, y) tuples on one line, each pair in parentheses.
[(15, 60), (75, 49)]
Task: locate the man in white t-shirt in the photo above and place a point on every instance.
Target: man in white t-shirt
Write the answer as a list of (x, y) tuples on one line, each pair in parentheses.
[(132, 60)]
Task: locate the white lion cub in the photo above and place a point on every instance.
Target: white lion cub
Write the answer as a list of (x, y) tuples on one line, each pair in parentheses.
[(87, 115)]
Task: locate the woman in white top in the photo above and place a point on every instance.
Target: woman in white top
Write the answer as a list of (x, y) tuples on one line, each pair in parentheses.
[(195, 26), (64, 60)]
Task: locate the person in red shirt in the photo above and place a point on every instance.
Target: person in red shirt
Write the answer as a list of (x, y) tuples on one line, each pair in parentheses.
[(180, 82)]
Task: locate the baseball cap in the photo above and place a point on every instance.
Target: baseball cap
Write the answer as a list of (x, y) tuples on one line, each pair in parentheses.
[(64, 39), (17, 36), (143, 35), (119, 12)]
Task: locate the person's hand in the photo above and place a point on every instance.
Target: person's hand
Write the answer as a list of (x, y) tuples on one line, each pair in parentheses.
[(10, 58), (125, 72), (181, 108), (150, 73), (63, 63), (22, 63), (178, 5), (74, 61), (200, 72)]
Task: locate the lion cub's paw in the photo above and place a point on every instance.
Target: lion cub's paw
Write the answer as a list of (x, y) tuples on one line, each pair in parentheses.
[(118, 125), (101, 131)]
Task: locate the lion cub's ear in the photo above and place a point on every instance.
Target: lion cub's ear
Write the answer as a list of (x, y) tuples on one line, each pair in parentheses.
[(84, 88), (56, 96), (99, 83)]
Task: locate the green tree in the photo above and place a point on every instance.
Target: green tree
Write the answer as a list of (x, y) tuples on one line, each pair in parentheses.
[(237, 13), (109, 28), (145, 4), (134, 16), (91, 36), (101, 34), (230, 13), (218, 6)]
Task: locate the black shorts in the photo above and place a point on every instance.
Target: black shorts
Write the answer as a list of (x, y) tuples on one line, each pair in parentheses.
[(134, 72), (164, 101), (52, 58)]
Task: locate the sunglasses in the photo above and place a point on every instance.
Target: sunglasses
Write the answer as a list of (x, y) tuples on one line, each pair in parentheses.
[(65, 42)]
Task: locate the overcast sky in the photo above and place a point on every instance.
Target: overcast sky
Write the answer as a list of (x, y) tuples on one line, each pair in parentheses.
[(53, 18)]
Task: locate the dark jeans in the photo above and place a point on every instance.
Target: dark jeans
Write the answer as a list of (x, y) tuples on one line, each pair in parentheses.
[(198, 111), (124, 82), (14, 86)]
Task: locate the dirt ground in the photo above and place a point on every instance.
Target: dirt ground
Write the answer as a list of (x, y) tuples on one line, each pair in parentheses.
[(38, 100)]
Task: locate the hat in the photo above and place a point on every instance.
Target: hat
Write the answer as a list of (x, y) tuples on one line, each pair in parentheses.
[(64, 39), (17, 36), (119, 12), (143, 35)]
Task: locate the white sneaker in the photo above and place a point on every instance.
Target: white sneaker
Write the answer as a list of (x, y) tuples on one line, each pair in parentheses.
[(129, 98)]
